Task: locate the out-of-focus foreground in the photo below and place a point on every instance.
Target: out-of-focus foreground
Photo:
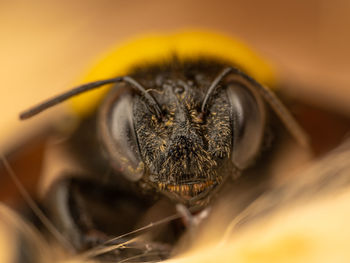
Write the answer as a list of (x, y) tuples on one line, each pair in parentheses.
[(303, 219), (46, 45)]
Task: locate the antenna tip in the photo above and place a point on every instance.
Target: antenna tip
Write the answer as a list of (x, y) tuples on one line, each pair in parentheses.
[(25, 115)]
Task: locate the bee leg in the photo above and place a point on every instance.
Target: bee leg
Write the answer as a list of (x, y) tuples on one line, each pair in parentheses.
[(89, 212), (190, 220), (67, 212)]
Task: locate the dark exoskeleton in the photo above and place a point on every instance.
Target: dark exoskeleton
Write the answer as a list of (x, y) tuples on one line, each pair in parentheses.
[(169, 133)]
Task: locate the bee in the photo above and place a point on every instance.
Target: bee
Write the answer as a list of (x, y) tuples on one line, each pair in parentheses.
[(184, 117)]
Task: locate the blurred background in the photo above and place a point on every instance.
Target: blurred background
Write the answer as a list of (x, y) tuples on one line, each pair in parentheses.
[(46, 45)]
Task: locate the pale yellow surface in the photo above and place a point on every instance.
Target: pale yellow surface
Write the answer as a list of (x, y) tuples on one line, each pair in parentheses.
[(14, 229), (313, 233), (6, 242)]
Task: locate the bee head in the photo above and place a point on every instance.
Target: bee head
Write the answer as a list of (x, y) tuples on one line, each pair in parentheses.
[(183, 130), (208, 128)]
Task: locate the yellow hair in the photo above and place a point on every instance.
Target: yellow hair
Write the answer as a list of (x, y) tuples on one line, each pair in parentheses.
[(159, 47)]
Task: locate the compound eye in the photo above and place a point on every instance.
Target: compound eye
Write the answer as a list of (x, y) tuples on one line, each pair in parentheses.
[(118, 135), (248, 122)]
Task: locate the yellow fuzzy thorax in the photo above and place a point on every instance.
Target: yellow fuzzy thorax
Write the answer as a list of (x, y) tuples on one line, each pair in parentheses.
[(155, 48)]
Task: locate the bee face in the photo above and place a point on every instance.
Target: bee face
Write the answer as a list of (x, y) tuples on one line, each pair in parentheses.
[(184, 152), (177, 126)]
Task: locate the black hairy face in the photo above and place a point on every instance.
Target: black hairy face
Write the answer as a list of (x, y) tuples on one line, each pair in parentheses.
[(182, 151)]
